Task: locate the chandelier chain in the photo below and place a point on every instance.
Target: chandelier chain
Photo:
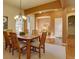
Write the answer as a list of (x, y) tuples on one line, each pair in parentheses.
[(20, 6)]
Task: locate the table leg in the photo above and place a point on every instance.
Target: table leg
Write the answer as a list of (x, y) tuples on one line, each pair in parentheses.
[(28, 50)]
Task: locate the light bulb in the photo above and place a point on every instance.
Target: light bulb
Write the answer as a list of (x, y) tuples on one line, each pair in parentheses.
[(24, 17), (18, 16)]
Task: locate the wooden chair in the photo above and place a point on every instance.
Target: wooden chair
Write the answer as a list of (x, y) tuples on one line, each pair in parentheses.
[(40, 43), (7, 41), (16, 44)]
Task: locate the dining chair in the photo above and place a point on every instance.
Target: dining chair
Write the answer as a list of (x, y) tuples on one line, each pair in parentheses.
[(7, 41), (16, 45), (40, 43)]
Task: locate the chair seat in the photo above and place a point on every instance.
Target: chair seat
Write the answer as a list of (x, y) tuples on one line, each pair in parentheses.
[(22, 44), (35, 43)]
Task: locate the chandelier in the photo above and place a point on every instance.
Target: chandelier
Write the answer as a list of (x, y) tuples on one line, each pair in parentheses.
[(20, 16)]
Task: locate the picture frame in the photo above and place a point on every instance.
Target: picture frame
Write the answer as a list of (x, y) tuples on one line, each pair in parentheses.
[(5, 22)]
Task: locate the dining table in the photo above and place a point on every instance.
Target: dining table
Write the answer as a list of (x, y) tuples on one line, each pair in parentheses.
[(28, 39)]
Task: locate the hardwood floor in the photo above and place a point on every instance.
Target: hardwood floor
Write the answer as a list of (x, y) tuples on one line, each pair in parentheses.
[(70, 49), (70, 53)]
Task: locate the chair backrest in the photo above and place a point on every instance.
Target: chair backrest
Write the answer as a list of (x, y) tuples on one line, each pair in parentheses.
[(14, 39), (6, 37), (43, 38)]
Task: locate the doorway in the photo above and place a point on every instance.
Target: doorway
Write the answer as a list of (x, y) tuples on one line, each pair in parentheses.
[(71, 31), (70, 49), (43, 23)]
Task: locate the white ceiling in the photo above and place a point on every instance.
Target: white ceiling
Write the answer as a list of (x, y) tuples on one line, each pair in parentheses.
[(27, 3)]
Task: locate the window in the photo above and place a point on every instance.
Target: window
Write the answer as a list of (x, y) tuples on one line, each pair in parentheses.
[(28, 25), (19, 25)]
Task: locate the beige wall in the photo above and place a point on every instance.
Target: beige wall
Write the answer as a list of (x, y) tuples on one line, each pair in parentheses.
[(10, 11)]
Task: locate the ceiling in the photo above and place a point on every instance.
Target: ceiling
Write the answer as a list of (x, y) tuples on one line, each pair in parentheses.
[(27, 3)]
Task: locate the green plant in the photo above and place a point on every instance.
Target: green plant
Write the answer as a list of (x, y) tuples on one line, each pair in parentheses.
[(22, 33)]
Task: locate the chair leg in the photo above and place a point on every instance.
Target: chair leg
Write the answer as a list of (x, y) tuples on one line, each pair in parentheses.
[(44, 48), (12, 51), (34, 49), (5, 46), (19, 54), (10, 47), (39, 53)]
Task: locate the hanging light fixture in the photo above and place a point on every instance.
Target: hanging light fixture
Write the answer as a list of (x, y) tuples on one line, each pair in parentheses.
[(20, 16)]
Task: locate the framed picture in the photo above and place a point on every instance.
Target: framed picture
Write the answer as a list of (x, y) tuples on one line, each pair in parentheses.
[(5, 22)]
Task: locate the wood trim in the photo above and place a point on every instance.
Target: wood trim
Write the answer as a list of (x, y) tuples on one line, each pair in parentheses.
[(64, 26), (63, 3), (35, 23), (51, 5)]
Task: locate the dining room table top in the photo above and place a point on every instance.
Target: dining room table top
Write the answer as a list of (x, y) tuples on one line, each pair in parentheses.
[(28, 37)]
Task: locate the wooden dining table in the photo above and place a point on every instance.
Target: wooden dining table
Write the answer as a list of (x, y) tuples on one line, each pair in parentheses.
[(28, 39)]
